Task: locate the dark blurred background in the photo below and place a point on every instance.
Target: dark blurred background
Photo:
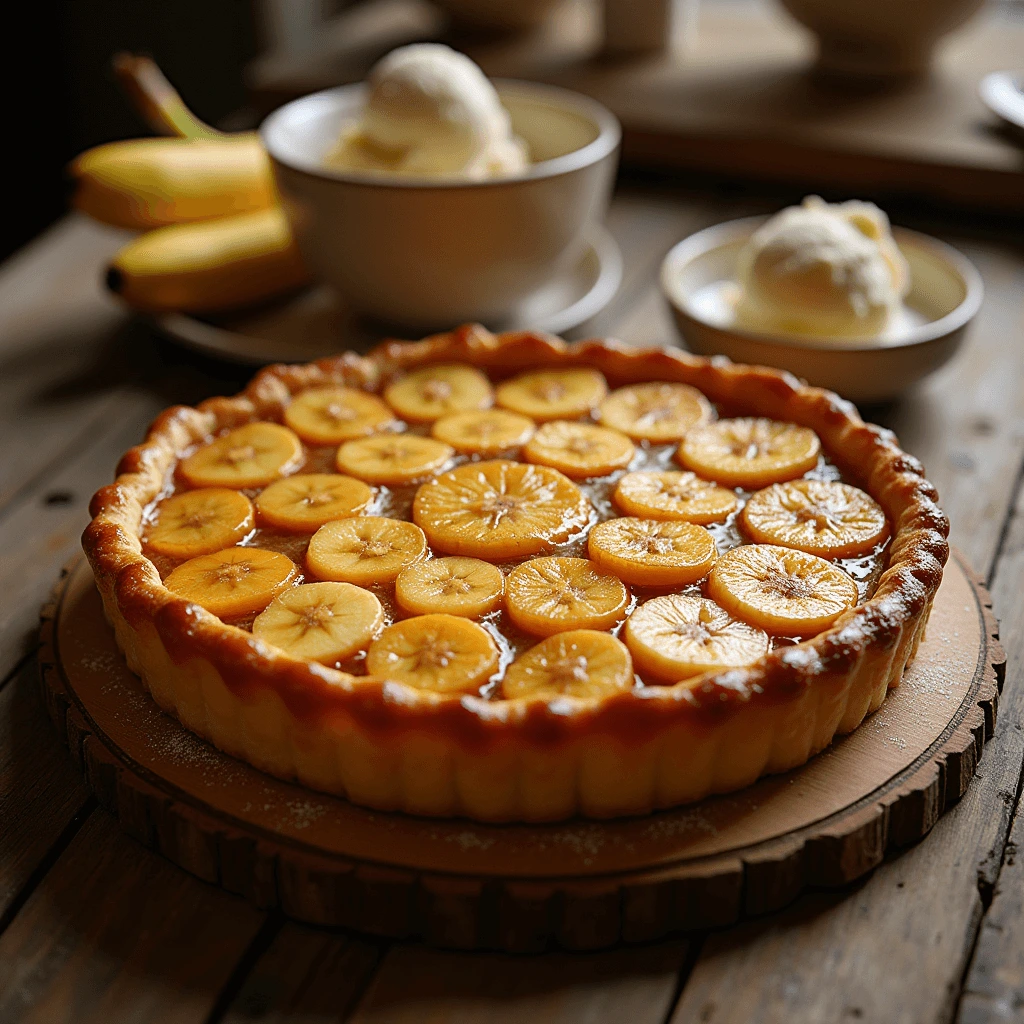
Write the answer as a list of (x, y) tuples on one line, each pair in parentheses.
[(60, 94), (234, 60)]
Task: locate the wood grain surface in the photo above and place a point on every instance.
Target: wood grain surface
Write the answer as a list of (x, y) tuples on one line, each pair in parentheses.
[(631, 985), (994, 986), (901, 945), (160, 945), (40, 791)]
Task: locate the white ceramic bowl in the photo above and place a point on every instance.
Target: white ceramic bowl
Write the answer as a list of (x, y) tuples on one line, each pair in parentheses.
[(879, 38), (425, 253), (945, 293)]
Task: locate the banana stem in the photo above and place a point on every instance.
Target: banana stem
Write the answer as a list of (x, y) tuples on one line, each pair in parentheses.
[(157, 100)]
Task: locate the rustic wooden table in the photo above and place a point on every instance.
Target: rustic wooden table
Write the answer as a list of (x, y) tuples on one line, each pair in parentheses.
[(93, 927)]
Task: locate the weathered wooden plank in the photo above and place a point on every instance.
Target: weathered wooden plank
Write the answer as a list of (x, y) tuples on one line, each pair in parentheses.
[(647, 322), (40, 789), (646, 224), (38, 536), (304, 975), (56, 277), (415, 984), (60, 351), (994, 988), (115, 933)]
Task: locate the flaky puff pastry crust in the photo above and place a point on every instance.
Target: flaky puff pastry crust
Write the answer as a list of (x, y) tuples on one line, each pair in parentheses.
[(387, 746)]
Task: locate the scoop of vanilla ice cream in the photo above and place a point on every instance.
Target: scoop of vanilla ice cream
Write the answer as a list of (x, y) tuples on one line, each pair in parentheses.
[(431, 111), (822, 269)]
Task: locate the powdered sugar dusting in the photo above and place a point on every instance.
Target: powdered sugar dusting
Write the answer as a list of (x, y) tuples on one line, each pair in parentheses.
[(304, 812), (470, 840), (128, 703), (106, 662), (680, 823)]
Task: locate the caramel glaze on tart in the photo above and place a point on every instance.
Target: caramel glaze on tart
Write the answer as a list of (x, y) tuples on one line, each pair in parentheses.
[(390, 745)]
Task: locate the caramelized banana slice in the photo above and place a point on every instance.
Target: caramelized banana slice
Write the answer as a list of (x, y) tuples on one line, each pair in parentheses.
[(499, 509), (434, 391), (581, 663), (820, 517), (684, 634), (750, 452), (553, 394), (332, 415), (200, 522), (671, 495), (456, 586), (781, 590), (490, 433), (551, 595), (659, 412), (323, 622), (652, 553), (393, 459), (303, 503), (249, 456), (365, 549), (579, 450), (234, 582), (443, 653)]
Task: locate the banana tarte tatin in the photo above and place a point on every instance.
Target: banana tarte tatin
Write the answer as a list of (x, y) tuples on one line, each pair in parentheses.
[(508, 578)]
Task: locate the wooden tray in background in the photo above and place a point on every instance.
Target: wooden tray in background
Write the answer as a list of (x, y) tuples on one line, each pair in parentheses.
[(580, 884), (736, 101)]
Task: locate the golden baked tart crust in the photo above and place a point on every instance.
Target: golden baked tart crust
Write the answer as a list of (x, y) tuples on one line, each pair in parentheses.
[(539, 755)]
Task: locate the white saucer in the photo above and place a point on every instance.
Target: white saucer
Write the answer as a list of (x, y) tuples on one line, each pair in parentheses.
[(945, 293), (1003, 93), (315, 323), (716, 304)]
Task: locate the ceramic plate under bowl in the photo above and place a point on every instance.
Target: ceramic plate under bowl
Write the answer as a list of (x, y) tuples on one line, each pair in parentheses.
[(945, 293), (315, 322)]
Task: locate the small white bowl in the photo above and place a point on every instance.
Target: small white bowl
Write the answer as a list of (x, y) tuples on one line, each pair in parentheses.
[(427, 253), (879, 38), (945, 293)]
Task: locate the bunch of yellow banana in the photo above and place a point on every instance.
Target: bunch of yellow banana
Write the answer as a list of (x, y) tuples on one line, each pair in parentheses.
[(215, 235)]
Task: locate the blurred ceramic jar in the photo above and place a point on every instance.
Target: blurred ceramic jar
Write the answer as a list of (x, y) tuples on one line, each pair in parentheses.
[(879, 38), (498, 15)]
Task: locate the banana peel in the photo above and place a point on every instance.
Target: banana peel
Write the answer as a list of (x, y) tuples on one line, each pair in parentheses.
[(195, 174), (148, 183), (157, 100), (216, 238)]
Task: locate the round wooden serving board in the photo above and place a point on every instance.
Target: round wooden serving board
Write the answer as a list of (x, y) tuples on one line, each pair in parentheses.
[(580, 884)]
